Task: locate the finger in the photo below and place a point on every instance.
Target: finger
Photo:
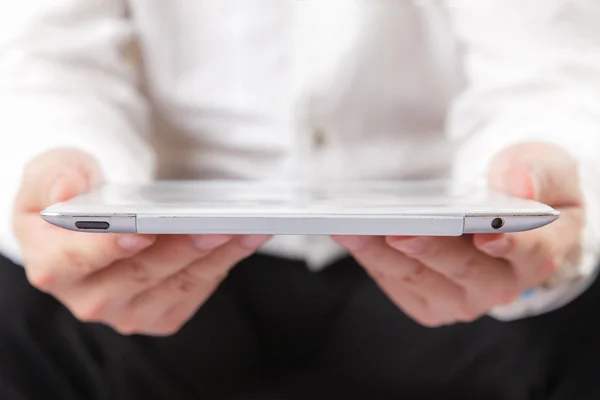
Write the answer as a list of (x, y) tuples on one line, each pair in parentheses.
[(384, 262), (390, 268), (488, 281), (537, 254), (195, 284), (59, 257), (538, 171), (177, 316), (167, 324), (413, 305), (56, 176), (104, 293)]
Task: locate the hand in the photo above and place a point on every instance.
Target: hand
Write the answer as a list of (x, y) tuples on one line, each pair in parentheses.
[(135, 283), (443, 280)]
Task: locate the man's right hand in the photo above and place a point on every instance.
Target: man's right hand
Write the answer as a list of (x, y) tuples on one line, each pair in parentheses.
[(138, 284)]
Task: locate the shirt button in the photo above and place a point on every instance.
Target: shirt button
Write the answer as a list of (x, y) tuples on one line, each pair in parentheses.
[(319, 139)]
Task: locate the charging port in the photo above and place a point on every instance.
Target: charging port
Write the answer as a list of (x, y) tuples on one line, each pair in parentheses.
[(92, 225)]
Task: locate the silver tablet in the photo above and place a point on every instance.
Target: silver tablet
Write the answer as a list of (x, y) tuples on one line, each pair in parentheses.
[(317, 208)]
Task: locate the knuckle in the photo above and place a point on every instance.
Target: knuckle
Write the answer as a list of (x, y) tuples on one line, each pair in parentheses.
[(173, 320), (213, 275), (425, 315), (435, 249), (62, 156), (166, 328), (466, 312), (125, 329), (545, 250), (428, 320), (230, 252), (465, 269), (91, 312), (21, 228), (126, 325), (138, 272), (77, 261), (373, 249), (512, 242), (185, 282), (549, 266), (578, 217), (415, 274), (378, 274), (504, 296), (37, 166), (40, 278), (203, 271)]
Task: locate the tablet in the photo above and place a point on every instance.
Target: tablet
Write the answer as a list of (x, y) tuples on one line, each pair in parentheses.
[(298, 208)]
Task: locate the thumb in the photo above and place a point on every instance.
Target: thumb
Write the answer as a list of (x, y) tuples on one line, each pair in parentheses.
[(56, 176), (537, 171)]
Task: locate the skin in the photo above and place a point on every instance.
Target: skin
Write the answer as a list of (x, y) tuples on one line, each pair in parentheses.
[(138, 284), (444, 280)]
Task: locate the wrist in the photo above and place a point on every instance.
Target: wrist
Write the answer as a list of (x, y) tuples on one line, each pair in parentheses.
[(543, 300)]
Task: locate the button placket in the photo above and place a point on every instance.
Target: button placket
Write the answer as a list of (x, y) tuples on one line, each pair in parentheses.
[(319, 139)]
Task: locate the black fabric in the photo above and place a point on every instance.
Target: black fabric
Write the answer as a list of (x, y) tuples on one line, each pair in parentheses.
[(274, 330)]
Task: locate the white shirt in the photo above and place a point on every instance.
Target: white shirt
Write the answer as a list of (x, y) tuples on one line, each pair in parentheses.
[(276, 89)]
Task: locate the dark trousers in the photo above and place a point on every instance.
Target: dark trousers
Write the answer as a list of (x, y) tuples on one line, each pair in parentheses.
[(274, 330)]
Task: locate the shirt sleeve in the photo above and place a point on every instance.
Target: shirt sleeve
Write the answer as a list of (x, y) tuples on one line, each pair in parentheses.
[(65, 81), (532, 69)]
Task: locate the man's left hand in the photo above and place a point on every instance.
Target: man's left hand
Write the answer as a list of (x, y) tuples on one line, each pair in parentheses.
[(444, 280)]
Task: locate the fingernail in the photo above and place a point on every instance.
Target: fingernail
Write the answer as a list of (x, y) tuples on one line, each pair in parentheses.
[(209, 242), (410, 246), (254, 241), (498, 247), (352, 243), (134, 242)]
